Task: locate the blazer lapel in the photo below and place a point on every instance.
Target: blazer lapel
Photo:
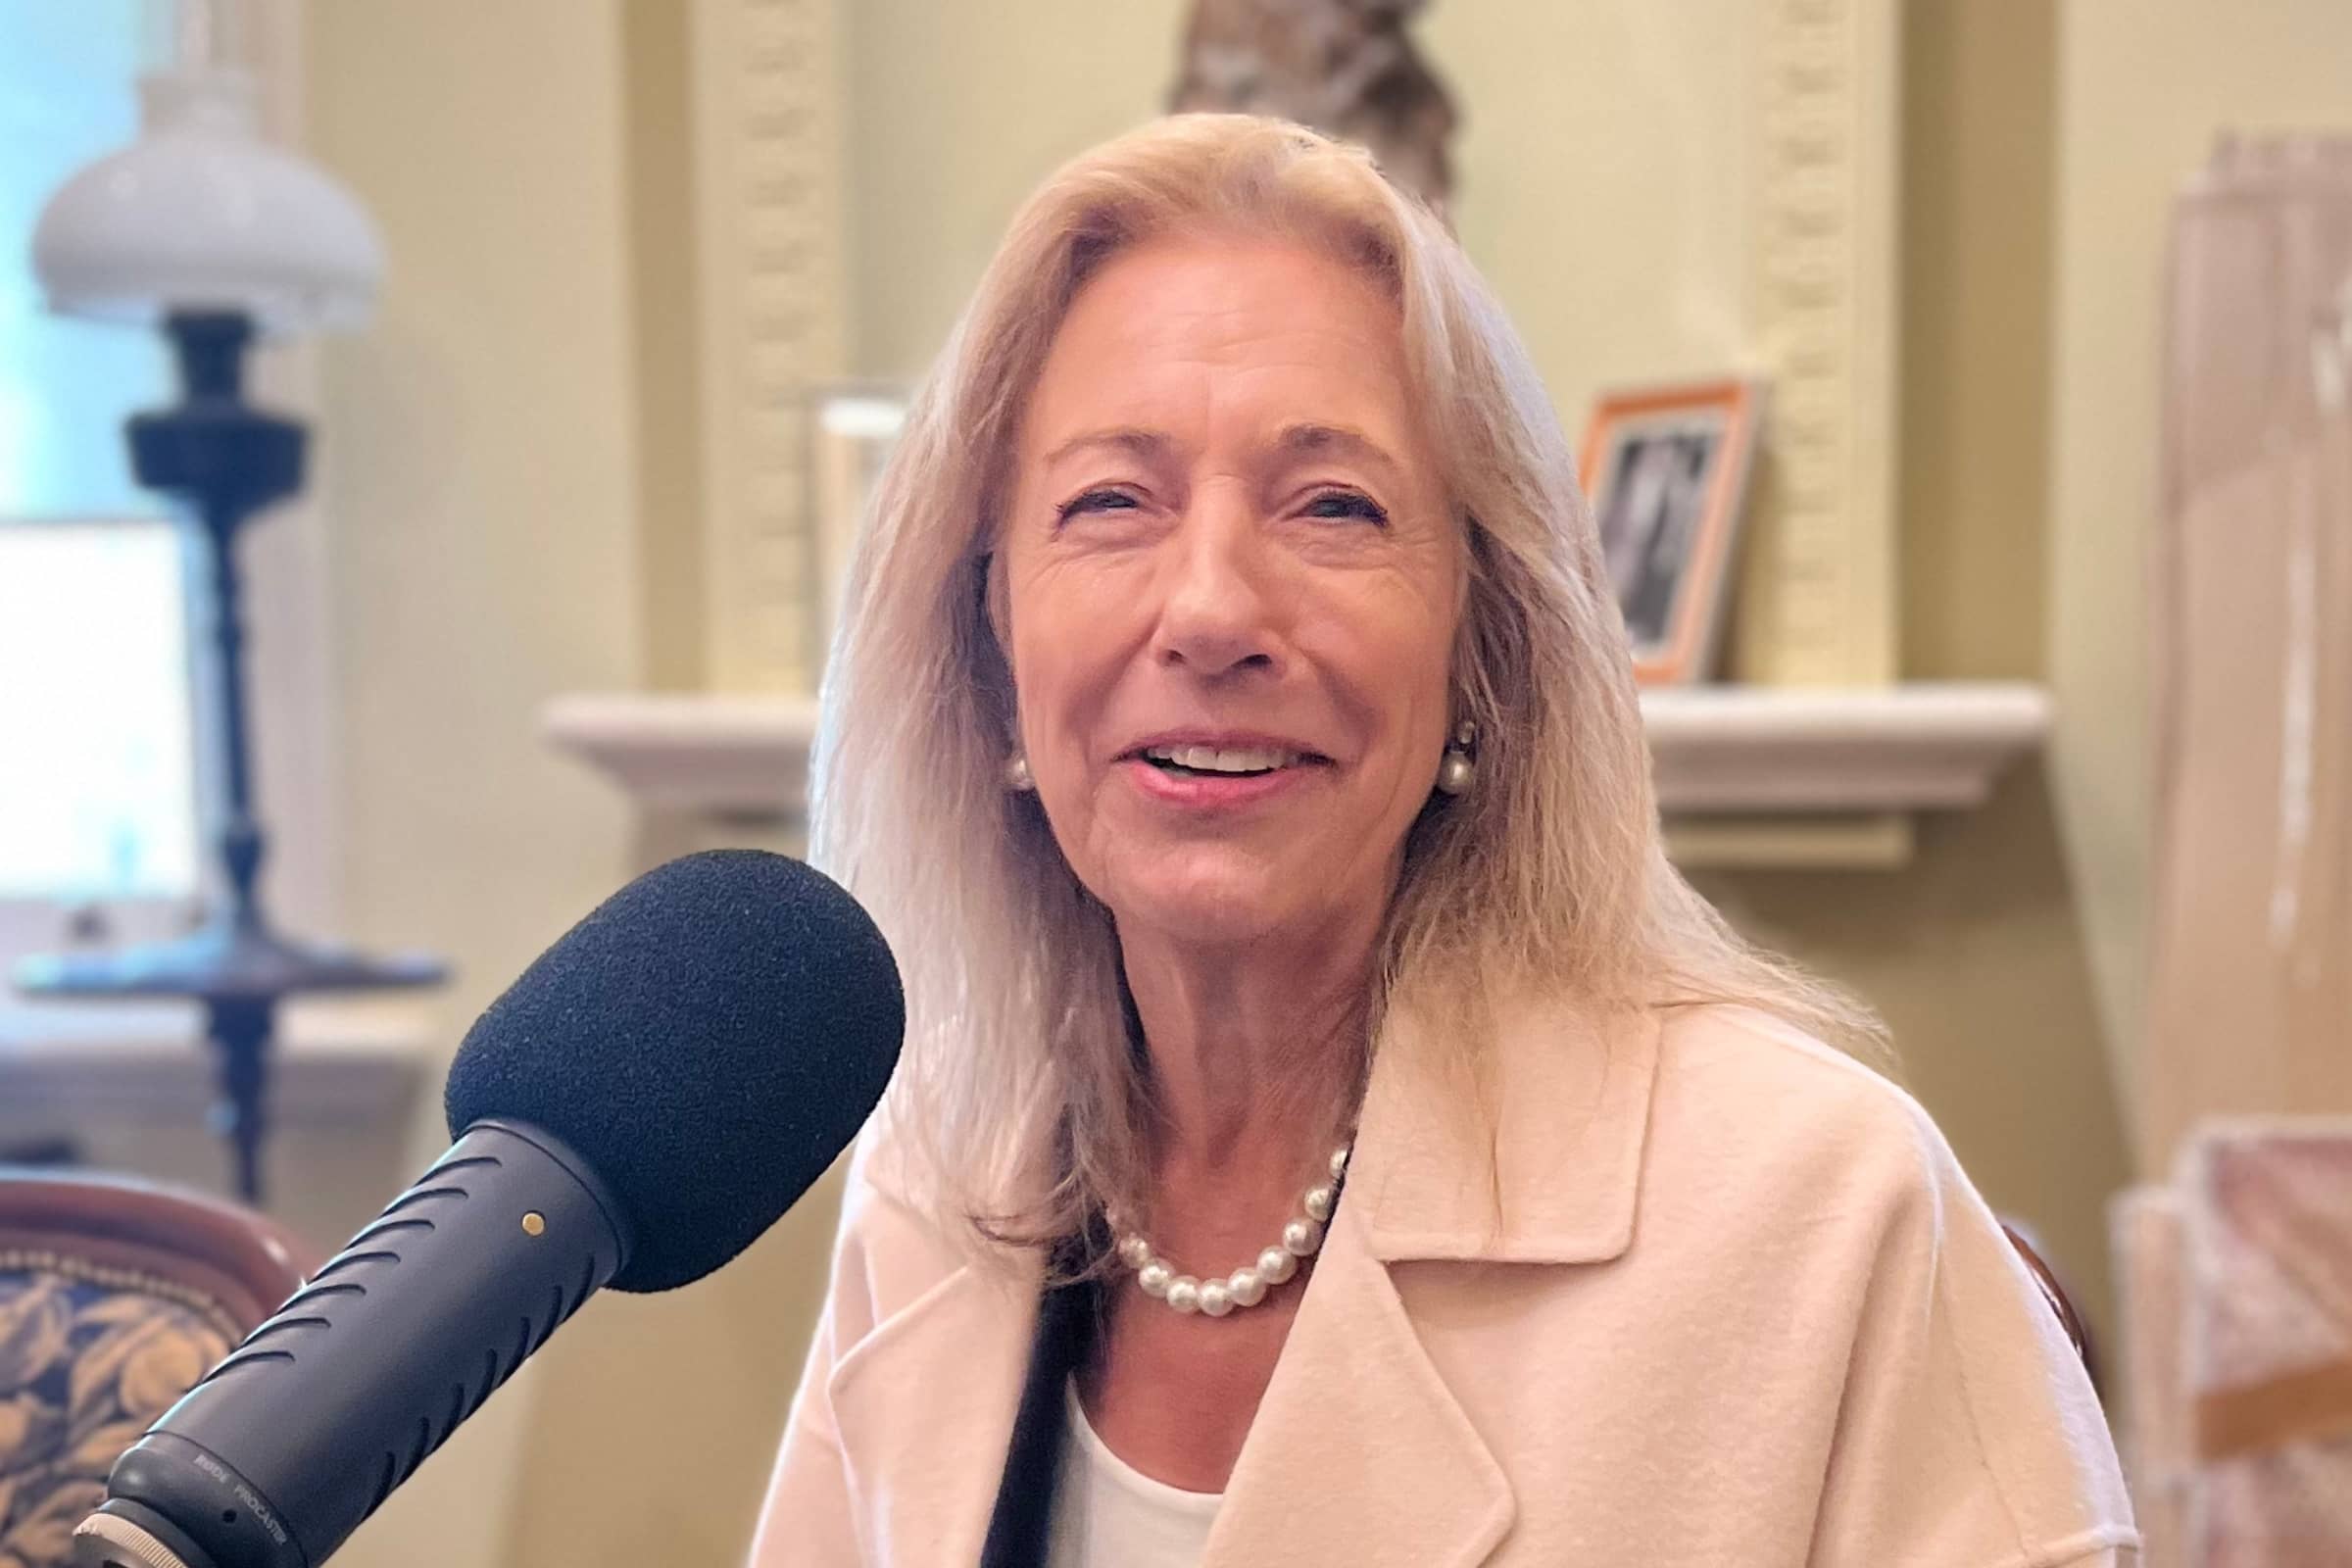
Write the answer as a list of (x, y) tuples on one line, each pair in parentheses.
[(1360, 1454), (1570, 1098), (925, 1407)]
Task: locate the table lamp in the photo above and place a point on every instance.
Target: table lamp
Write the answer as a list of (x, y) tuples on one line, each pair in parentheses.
[(204, 231)]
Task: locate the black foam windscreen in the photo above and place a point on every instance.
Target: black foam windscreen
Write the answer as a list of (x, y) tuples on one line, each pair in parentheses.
[(707, 1042)]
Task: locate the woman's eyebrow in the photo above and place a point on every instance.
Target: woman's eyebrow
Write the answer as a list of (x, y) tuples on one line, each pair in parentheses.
[(1304, 439), (1312, 440), (1136, 440)]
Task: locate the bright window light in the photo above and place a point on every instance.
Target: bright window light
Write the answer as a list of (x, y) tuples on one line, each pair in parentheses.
[(96, 799), (96, 793)]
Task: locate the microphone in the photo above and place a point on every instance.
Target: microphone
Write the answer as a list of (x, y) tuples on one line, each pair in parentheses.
[(648, 1098)]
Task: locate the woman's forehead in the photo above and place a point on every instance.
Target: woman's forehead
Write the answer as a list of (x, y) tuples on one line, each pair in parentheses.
[(1204, 291), (1270, 341)]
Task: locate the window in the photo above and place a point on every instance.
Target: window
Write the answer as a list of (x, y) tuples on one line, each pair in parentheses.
[(97, 791), (67, 96), (96, 707)]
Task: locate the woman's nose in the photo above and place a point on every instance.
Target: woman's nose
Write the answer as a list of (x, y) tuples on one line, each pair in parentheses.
[(1216, 616)]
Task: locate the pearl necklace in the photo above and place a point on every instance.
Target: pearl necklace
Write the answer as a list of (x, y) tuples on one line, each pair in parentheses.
[(1247, 1286)]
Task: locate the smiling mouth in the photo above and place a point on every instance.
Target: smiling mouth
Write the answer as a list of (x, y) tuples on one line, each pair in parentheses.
[(1231, 762)]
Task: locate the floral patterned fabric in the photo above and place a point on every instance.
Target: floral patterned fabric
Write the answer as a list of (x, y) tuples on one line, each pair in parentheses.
[(87, 1361)]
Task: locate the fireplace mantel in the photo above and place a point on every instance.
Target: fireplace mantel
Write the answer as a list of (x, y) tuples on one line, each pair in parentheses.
[(1745, 775)]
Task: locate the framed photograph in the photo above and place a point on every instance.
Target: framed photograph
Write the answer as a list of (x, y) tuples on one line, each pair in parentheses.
[(1666, 470), (853, 428)]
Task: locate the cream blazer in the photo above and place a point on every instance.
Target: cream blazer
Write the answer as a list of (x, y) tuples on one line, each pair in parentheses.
[(1742, 1307)]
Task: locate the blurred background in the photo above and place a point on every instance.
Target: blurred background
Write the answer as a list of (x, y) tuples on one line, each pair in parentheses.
[(1987, 316)]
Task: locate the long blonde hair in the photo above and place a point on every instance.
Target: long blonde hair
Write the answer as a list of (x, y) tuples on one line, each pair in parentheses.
[(1022, 1101)]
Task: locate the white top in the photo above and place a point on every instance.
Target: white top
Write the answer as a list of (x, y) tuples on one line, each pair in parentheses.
[(1108, 1514)]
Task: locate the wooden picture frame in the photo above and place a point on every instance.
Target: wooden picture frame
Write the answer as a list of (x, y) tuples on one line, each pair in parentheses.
[(1666, 470)]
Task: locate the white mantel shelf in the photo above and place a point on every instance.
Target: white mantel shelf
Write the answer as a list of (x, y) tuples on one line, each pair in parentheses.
[(696, 753), (1721, 752), (1757, 751)]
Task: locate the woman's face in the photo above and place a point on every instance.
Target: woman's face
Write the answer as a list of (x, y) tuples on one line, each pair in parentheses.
[(1231, 589)]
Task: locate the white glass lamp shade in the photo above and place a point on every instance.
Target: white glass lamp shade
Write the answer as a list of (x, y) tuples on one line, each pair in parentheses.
[(201, 213)]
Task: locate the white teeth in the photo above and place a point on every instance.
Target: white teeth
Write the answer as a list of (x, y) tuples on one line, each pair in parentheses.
[(1212, 760)]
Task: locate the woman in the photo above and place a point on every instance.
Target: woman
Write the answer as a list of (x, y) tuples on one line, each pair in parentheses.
[(1231, 729)]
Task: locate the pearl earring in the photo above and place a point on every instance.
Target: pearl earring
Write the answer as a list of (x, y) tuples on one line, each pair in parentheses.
[(1017, 773), (1458, 770)]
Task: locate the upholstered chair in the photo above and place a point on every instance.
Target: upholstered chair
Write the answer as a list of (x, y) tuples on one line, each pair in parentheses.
[(116, 1295)]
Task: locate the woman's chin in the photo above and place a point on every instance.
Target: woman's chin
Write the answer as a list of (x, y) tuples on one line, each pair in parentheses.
[(1207, 905)]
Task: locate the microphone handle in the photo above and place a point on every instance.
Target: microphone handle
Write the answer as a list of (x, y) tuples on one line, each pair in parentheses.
[(299, 1434)]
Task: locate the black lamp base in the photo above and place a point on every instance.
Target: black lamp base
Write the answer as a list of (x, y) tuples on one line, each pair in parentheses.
[(239, 974), (225, 461)]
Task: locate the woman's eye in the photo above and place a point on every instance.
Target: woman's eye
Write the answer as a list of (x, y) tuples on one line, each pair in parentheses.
[(1097, 501), (1346, 503)]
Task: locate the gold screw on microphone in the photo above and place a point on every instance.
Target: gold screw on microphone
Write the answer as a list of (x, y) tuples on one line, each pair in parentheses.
[(105, 1541)]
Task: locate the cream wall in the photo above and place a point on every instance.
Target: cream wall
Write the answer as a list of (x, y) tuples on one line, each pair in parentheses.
[(955, 113), (951, 112), (657, 111), (1601, 181), (2143, 91), (478, 484)]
